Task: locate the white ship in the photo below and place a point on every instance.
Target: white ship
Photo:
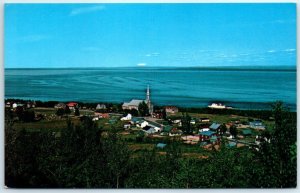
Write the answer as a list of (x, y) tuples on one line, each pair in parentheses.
[(218, 106)]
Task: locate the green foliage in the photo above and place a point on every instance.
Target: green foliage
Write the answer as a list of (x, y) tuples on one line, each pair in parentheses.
[(67, 110), (60, 112), (77, 113), (81, 156), (186, 123), (143, 109), (233, 131)]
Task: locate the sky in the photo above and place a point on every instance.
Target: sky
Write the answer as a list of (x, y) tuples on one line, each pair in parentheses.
[(149, 35)]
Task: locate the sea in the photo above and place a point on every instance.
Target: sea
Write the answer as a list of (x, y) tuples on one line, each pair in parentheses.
[(238, 87)]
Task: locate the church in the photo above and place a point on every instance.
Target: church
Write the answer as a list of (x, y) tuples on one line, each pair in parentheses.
[(134, 103)]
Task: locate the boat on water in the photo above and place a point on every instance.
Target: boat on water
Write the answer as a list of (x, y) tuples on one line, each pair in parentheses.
[(218, 106)]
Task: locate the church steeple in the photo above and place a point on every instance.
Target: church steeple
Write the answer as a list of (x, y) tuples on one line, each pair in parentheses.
[(148, 94), (148, 102)]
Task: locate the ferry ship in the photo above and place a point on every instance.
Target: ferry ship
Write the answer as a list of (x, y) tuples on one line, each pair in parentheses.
[(218, 106)]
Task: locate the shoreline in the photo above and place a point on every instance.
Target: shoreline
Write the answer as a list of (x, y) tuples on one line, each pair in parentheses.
[(227, 103)]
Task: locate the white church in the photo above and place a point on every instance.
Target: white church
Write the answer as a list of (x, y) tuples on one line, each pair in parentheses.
[(134, 103)]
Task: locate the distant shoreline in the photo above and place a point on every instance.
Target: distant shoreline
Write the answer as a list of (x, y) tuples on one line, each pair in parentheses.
[(182, 107), (225, 68)]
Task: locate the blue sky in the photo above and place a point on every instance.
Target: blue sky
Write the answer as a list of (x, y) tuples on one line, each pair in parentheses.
[(124, 35)]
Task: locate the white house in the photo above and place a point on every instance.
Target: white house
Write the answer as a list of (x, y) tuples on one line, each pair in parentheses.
[(127, 118)]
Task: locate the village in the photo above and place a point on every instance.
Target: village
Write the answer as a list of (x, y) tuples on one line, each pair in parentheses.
[(144, 126)]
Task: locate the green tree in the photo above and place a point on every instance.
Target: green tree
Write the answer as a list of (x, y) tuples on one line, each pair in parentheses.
[(116, 158), (60, 112), (77, 113), (233, 131), (223, 129), (186, 123), (143, 109), (134, 112), (67, 110), (278, 167)]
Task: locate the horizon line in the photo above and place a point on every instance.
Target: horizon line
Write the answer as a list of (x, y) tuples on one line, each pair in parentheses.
[(142, 67)]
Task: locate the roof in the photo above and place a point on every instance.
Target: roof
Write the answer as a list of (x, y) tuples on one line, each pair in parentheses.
[(161, 145), (247, 132), (231, 144), (136, 119), (215, 126), (213, 138), (167, 128), (133, 102), (207, 133), (72, 104), (151, 130)]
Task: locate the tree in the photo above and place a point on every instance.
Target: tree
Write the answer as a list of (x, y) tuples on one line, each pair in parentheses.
[(28, 116), (77, 113), (67, 110), (233, 131), (143, 109), (134, 112), (116, 158), (223, 129), (60, 112), (278, 167), (164, 114), (186, 123)]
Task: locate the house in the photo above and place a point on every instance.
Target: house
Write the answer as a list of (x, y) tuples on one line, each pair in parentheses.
[(247, 132), (193, 122), (204, 127), (127, 118), (190, 139), (161, 145), (175, 132), (232, 144), (60, 106), (257, 124), (31, 105), (176, 121), (8, 105), (72, 105), (14, 105), (142, 124), (151, 130), (136, 120), (100, 106), (171, 109), (204, 120), (206, 135), (101, 115), (127, 126), (215, 127)]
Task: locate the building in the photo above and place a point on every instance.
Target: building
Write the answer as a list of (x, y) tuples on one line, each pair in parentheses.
[(204, 119), (171, 109), (215, 127), (257, 124), (60, 106), (100, 106), (72, 105), (206, 135), (134, 103)]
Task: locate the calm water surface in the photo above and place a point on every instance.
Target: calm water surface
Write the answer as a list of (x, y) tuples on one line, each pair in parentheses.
[(240, 88)]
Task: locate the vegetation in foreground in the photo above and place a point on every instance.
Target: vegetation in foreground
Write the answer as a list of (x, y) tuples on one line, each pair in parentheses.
[(84, 156)]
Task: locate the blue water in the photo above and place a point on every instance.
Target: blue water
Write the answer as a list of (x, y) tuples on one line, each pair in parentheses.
[(186, 87)]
